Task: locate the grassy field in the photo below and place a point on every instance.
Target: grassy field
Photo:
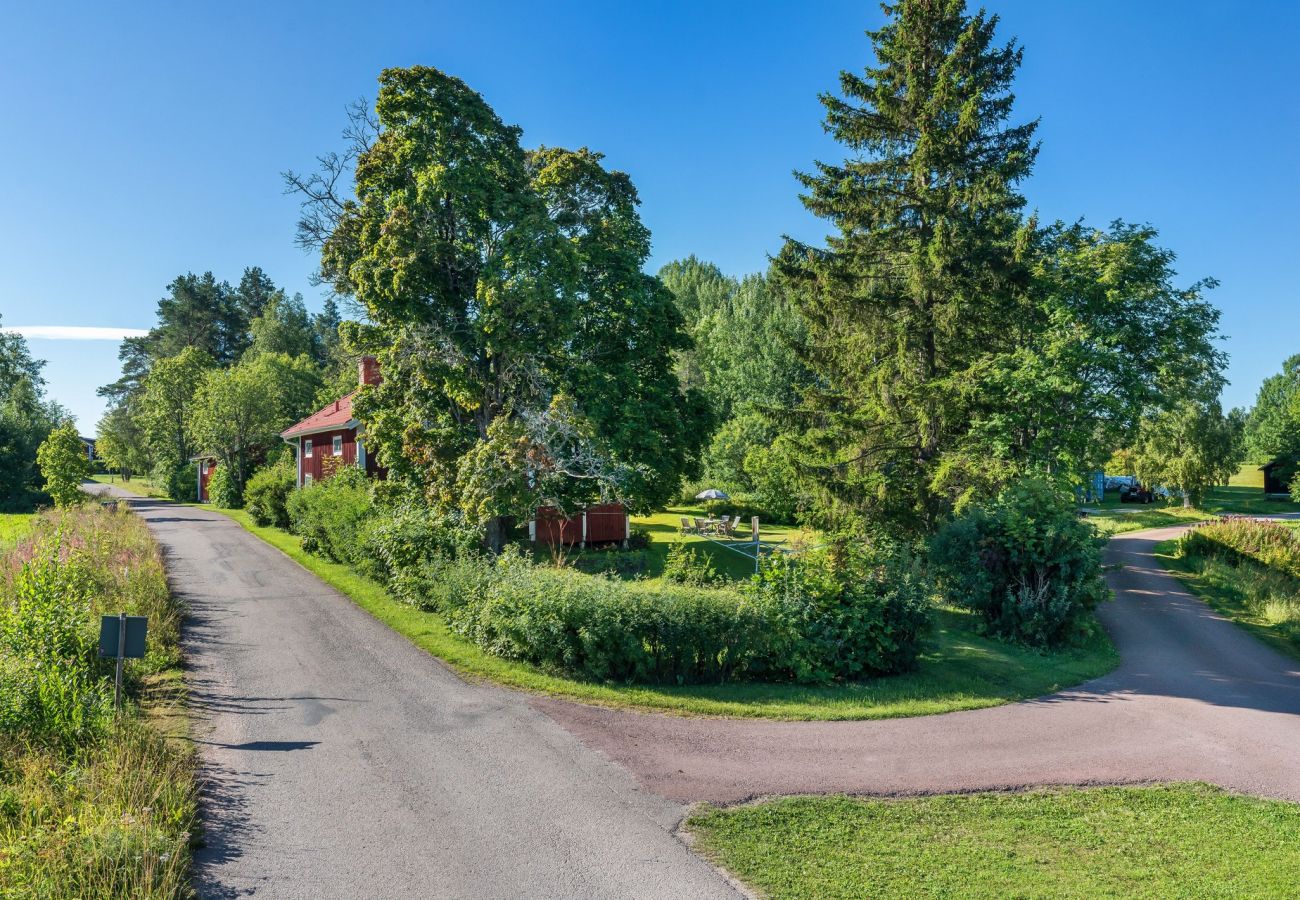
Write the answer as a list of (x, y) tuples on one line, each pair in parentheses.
[(1243, 495), (13, 526), (959, 669), (139, 485), (1168, 841)]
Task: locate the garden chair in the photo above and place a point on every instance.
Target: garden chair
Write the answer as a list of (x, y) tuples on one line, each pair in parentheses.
[(700, 527), (721, 527), (729, 528), (687, 527)]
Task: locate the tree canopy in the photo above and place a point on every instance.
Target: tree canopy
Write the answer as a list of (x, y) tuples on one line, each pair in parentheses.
[(525, 353)]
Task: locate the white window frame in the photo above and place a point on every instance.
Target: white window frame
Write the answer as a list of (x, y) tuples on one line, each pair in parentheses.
[(306, 448), (337, 446), (306, 479)]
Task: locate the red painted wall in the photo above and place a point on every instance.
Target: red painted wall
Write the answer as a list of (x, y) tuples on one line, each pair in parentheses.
[(605, 523), (323, 449)]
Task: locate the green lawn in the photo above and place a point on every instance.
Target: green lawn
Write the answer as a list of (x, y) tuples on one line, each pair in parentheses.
[(959, 669), (139, 485), (733, 557), (1167, 841), (1243, 495)]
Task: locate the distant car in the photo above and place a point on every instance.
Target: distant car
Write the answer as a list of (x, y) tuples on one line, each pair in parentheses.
[(1119, 482), (1135, 494)]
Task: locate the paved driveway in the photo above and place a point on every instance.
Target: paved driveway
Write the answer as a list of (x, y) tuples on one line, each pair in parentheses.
[(341, 761), (1195, 697)]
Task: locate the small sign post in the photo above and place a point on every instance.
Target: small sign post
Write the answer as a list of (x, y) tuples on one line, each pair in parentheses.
[(123, 637)]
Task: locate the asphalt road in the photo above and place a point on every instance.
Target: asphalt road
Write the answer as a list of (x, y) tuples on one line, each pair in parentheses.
[(341, 761), (1195, 697)]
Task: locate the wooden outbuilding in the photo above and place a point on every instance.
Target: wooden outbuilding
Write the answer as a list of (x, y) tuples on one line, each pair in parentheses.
[(1277, 476), (605, 523)]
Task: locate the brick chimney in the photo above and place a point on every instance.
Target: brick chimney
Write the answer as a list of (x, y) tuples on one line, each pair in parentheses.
[(368, 370)]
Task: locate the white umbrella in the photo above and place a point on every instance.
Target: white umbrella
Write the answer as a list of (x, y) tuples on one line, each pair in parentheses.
[(712, 494)]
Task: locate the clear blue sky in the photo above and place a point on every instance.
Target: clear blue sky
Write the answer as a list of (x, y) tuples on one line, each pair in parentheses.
[(146, 140)]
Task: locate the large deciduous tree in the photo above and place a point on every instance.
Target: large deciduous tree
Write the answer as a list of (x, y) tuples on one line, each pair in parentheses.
[(921, 278), (64, 465), (1191, 446), (26, 419), (524, 352)]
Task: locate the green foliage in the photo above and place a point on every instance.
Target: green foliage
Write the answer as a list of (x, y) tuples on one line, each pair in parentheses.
[(1249, 570), (26, 419), (89, 806), (1191, 447), (64, 465), (166, 412), (329, 515), (266, 497), (801, 622), (1025, 562), (684, 566), (1273, 426), (237, 413), (860, 614), (120, 443), (177, 480), (222, 490), (525, 353)]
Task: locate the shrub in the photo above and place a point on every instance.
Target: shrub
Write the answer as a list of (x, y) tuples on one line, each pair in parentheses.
[(685, 566), (616, 562), (863, 614), (266, 496), (329, 514), (222, 489), (64, 465), (1025, 562), (177, 480), (1270, 544), (800, 622)]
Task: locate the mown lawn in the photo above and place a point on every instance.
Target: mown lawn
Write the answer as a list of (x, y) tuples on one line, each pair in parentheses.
[(1243, 495), (1188, 840), (959, 669), (139, 485)]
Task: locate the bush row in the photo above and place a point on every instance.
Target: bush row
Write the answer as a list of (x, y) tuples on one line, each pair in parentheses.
[(814, 620)]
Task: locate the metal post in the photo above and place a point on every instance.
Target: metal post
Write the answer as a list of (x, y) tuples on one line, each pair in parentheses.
[(121, 653)]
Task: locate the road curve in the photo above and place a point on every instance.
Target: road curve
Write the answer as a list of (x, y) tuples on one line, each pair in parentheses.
[(338, 760), (1195, 697)]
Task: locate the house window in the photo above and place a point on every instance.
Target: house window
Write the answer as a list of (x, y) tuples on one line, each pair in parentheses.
[(306, 449), (306, 479), (338, 445)]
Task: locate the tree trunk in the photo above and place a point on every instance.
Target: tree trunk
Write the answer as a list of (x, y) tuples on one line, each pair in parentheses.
[(495, 534)]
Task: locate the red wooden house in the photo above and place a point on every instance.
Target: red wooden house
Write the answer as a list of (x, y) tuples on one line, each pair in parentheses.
[(206, 466), (332, 437)]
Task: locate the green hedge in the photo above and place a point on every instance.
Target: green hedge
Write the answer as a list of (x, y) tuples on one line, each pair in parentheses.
[(810, 620)]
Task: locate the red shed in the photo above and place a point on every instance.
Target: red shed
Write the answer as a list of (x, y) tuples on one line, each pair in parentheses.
[(332, 437), (206, 465), (605, 523)]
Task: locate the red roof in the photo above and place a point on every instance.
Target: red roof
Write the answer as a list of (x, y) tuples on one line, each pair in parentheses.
[(335, 416)]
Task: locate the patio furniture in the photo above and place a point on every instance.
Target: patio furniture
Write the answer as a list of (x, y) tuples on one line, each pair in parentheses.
[(687, 527), (729, 528), (701, 526), (721, 527)]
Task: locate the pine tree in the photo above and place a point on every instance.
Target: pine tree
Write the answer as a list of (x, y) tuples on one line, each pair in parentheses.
[(923, 275)]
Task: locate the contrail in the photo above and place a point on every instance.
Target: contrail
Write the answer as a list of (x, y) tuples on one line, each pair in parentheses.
[(73, 332)]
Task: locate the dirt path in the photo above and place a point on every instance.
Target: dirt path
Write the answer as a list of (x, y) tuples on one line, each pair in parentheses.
[(341, 761), (1195, 697)]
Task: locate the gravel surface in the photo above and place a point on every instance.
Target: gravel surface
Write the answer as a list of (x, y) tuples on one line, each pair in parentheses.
[(341, 761), (1195, 697)]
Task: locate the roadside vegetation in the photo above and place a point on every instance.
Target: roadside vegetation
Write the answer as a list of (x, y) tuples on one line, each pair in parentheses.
[(1242, 495), (91, 804), (1248, 570), (1170, 841)]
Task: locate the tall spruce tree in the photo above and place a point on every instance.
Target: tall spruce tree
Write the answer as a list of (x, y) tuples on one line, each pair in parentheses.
[(923, 275)]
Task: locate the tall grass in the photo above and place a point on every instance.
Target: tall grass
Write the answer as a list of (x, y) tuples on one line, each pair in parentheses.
[(1251, 569), (91, 804)]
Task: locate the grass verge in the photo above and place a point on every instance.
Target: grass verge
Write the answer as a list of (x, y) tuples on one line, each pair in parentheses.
[(91, 804), (1186, 840), (958, 669), (1261, 601)]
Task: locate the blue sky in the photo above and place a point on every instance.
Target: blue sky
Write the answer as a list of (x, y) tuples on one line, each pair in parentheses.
[(146, 140)]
